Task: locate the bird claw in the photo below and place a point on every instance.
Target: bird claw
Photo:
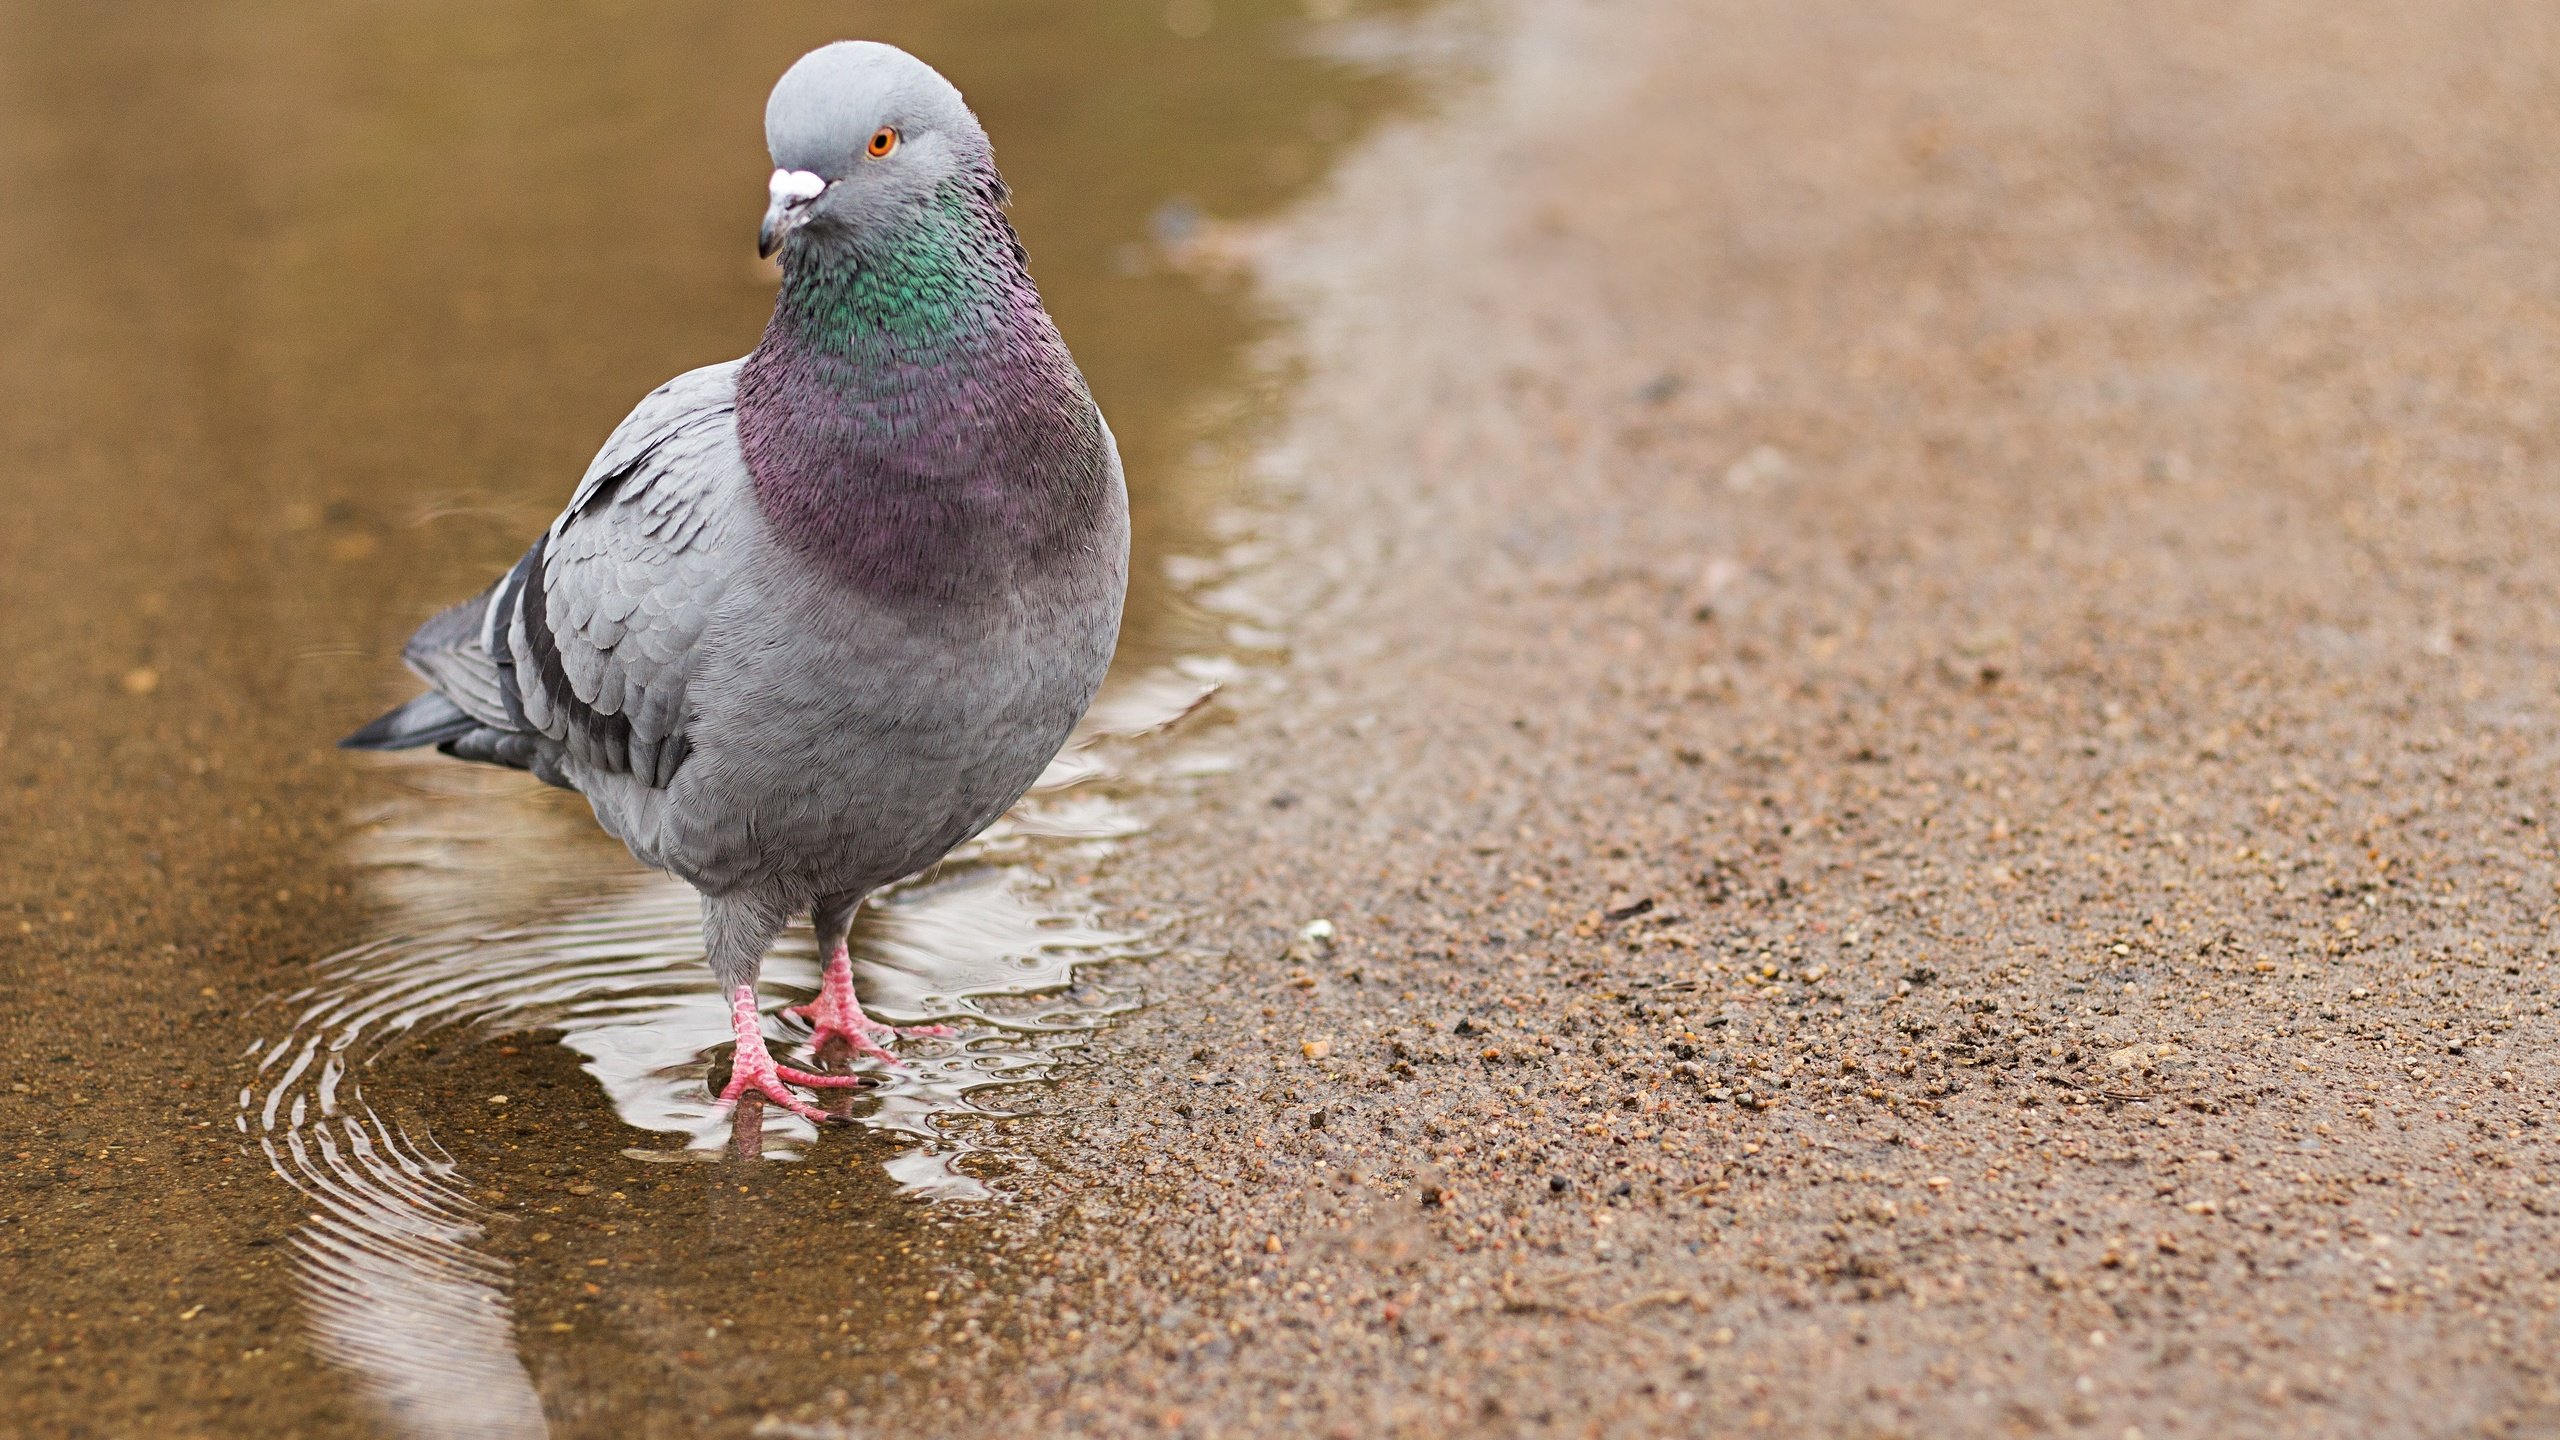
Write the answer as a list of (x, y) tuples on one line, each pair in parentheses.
[(752, 1069), (863, 1037), (836, 1017), (823, 1080)]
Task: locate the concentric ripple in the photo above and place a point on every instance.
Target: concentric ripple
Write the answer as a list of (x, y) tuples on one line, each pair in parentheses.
[(508, 913)]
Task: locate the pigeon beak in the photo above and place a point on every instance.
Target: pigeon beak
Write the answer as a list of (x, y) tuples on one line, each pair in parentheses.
[(792, 190)]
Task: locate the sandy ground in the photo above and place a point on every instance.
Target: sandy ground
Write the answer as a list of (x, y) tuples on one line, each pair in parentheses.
[(1929, 737), (1922, 699)]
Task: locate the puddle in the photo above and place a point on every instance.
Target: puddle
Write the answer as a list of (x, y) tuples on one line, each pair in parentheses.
[(403, 268), (508, 915)]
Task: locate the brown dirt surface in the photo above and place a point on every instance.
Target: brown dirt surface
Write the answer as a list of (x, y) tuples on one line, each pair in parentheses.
[(1928, 730), (1921, 694)]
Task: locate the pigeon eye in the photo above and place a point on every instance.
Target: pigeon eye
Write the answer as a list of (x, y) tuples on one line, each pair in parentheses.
[(883, 140)]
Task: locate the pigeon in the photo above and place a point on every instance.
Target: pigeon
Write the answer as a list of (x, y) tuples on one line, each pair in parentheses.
[(816, 616)]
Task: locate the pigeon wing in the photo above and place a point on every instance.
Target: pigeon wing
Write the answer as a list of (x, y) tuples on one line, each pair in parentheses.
[(605, 615)]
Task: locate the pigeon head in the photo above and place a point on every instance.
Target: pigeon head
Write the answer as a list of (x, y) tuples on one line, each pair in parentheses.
[(863, 135)]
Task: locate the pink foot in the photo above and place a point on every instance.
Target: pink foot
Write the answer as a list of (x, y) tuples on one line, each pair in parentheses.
[(837, 1016), (753, 1072)]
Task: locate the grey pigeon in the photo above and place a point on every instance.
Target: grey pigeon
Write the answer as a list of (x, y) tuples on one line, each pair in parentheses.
[(815, 617)]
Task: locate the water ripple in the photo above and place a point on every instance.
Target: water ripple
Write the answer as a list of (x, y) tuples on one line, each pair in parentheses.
[(506, 913)]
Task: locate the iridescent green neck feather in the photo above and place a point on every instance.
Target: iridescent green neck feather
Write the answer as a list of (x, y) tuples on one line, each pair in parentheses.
[(933, 284)]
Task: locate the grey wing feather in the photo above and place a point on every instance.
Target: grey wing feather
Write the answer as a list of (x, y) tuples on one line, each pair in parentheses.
[(583, 649), (681, 404), (618, 595), (446, 653)]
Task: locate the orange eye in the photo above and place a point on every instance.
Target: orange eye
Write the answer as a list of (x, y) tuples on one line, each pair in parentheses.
[(883, 140)]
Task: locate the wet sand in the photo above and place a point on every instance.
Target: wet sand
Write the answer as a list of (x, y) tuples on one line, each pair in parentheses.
[(1925, 715), (313, 316)]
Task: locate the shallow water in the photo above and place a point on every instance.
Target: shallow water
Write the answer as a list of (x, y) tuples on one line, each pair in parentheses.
[(313, 314), (507, 915)]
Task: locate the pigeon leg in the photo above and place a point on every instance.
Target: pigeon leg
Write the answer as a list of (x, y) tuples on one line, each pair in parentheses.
[(839, 1018), (752, 1069), (736, 929)]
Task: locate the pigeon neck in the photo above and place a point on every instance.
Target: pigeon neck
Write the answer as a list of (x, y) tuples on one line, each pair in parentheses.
[(941, 285), (911, 418)]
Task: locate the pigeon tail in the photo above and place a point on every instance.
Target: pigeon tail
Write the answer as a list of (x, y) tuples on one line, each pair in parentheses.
[(431, 719)]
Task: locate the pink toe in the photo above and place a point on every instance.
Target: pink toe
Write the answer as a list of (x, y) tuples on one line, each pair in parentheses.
[(820, 1080), (752, 1070), (774, 1093)]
